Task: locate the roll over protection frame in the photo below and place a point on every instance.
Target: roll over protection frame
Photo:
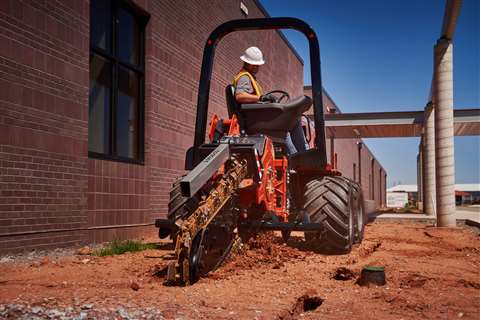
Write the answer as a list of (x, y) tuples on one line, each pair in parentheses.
[(260, 24)]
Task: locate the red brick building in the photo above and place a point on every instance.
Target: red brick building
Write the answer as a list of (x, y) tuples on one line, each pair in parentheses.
[(97, 108)]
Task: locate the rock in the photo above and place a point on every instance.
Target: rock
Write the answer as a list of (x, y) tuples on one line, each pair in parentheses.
[(55, 314), (6, 259), (85, 261), (85, 251), (135, 286), (123, 313), (87, 306), (37, 310), (343, 274), (460, 314)]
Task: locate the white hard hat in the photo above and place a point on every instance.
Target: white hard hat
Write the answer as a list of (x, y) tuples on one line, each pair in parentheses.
[(253, 55)]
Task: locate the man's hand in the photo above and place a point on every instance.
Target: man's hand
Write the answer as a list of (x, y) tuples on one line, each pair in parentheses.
[(267, 98)]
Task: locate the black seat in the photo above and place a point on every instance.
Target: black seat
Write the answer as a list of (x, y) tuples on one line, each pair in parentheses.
[(232, 105), (272, 119)]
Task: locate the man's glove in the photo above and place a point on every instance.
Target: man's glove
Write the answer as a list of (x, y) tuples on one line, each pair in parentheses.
[(267, 98)]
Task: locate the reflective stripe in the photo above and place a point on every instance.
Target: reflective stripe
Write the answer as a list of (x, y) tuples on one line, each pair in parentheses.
[(258, 163), (255, 85)]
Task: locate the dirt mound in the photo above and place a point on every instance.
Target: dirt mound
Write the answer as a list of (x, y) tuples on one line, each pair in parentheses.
[(260, 251)]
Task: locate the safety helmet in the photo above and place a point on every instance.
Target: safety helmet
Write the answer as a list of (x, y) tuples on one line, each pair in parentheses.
[(253, 55)]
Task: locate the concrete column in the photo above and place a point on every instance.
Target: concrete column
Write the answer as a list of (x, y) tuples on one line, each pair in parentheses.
[(420, 169), (332, 152), (359, 144), (444, 156), (429, 198), (372, 172)]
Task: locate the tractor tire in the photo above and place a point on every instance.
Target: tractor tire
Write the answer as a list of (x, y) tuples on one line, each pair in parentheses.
[(329, 201)]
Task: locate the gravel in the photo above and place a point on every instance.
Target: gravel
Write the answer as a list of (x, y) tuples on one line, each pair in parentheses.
[(87, 311)]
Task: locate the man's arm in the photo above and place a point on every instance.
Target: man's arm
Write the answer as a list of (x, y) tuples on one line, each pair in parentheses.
[(244, 97), (244, 90)]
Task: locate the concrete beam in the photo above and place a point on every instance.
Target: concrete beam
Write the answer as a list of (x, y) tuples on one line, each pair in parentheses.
[(444, 149)]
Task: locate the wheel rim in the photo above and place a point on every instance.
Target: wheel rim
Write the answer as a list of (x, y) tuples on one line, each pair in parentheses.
[(351, 225), (360, 217)]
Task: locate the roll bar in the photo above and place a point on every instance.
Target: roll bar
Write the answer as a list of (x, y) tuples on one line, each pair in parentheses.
[(259, 24)]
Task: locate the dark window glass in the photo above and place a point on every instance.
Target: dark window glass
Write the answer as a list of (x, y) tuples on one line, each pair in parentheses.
[(99, 105), (116, 106), (126, 115), (101, 24), (128, 37)]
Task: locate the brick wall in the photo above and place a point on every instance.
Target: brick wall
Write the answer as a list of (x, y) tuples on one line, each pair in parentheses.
[(43, 121), (47, 180)]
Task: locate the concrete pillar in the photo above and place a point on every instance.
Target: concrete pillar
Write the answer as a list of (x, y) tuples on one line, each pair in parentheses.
[(380, 187), (429, 198), (372, 172), (359, 144), (420, 169), (444, 156), (332, 152)]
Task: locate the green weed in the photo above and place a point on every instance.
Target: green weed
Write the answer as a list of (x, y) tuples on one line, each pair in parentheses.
[(122, 246)]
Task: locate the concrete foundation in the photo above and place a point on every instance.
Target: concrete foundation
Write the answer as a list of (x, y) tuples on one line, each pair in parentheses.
[(444, 149)]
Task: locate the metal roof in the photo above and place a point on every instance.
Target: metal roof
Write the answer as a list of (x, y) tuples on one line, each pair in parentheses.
[(395, 124)]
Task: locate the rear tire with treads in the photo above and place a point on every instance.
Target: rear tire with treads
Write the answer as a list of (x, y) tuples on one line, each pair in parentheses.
[(329, 202)]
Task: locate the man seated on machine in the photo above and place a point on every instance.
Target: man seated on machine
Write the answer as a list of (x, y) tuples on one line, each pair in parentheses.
[(248, 90)]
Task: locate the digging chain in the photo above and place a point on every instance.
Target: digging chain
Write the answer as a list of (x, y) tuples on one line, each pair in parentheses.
[(178, 270)]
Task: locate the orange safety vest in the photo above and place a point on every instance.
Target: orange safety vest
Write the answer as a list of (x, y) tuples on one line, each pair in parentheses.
[(255, 85)]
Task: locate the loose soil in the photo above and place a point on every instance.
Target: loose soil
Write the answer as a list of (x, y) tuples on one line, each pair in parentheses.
[(432, 273)]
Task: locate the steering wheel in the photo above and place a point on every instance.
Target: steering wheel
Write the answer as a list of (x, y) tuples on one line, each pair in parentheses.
[(283, 95)]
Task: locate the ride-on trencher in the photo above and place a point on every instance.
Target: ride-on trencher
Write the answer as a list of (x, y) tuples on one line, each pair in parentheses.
[(242, 181)]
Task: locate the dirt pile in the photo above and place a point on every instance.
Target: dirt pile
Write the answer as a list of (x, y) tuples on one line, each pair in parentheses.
[(264, 251)]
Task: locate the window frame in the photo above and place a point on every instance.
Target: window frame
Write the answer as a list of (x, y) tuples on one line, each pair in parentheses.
[(142, 18)]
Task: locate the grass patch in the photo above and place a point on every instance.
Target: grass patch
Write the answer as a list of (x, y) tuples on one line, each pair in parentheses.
[(122, 246)]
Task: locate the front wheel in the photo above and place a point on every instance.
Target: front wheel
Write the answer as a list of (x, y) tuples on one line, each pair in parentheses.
[(329, 201)]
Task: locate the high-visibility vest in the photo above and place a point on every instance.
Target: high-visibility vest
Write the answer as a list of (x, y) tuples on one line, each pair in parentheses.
[(255, 85)]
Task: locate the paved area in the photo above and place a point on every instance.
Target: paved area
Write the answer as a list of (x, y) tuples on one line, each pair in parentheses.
[(463, 214)]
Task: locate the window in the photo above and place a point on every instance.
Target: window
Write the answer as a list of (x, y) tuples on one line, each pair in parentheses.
[(116, 100)]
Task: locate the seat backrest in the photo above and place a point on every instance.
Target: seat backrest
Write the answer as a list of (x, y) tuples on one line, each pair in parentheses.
[(232, 104)]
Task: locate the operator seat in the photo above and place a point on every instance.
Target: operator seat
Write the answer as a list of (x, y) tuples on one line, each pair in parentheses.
[(272, 119)]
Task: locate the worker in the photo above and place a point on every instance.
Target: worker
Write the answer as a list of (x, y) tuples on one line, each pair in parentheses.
[(248, 90)]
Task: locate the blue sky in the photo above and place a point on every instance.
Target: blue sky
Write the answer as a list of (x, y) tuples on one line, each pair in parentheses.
[(377, 55)]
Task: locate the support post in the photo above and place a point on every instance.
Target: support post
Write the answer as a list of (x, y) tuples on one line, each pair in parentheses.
[(429, 198), (444, 149), (420, 169), (332, 151), (359, 144)]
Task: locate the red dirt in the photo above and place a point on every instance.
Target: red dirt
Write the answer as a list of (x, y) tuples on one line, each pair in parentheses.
[(431, 273)]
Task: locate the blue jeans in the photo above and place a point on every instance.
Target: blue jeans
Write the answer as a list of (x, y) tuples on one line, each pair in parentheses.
[(295, 140)]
